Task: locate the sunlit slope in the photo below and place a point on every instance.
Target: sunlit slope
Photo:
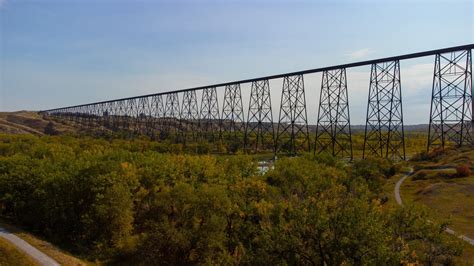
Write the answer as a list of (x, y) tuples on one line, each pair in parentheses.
[(28, 122)]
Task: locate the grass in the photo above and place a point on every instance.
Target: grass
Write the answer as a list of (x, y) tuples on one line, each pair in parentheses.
[(437, 185), (10, 255), (451, 199), (28, 122), (61, 256), (448, 200)]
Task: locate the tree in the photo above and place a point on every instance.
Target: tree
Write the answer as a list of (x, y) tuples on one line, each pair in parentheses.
[(50, 130)]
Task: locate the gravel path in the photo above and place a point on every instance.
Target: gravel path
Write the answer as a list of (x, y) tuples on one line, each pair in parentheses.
[(399, 201), (21, 244)]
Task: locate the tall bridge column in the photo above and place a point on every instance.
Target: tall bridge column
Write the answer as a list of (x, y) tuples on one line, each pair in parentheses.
[(109, 115), (210, 120), (89, 114), (292, 133), (232, 119), (333, 129), (133, 114), (171, 115), (157, 114), (259, 128), (451, 115), (189, 116), (119, 123), (101, 112), (143, 116), (77, 117), (384, 133), (121, 115), (232, 110)]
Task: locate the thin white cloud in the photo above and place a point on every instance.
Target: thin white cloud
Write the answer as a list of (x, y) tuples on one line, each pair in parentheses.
[(360, 53), (2, 3)]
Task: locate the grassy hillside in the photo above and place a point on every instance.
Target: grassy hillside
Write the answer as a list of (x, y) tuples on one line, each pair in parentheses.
[(28, 122), (439, 184), (444, 181)]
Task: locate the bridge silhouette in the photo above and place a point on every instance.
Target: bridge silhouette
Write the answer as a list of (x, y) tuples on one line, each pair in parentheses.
[(176, 115)]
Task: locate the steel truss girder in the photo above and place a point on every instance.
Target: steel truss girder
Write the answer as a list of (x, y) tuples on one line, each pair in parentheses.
[(451, 114), (384, 132), (333, 129), (232, 110), (209, 123), (292, 133), (260, 118)]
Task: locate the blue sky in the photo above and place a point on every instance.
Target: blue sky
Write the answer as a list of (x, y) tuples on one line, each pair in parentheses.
[(64, 52)]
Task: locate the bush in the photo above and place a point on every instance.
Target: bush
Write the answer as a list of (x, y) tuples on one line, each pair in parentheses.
[(463, 170), (420, 175), (120, 200), (50, 130), (374, 171)]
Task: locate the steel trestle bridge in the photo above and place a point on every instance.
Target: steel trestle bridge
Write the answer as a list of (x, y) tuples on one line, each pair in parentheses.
[(177, 116)]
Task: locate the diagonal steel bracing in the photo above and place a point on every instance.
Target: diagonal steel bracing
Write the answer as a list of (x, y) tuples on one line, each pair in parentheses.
[(171, 117), (143, 116), (189, 122), (232, 110), (109, 116), (292, 133), (259, 131), (384, 133), (333, 130), (451, 115), (157, 114), (210, 121)]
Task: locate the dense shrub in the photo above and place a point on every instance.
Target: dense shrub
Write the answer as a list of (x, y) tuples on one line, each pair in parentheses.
[(123, 200), (373, 171), (463, 170)]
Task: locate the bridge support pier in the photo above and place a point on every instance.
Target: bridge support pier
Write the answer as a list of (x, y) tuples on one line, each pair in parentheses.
[(333, 130), (189, 118), (232, 123), (384, 132), (210, 114), (142, 116), (292, 133), (451, 114), (259, 130), (157, 115), (171, 119)]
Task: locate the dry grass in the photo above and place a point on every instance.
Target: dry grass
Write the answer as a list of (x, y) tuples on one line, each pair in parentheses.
[(437, 185), (54, 252), (451, 199), (27, 122), (10, 255)]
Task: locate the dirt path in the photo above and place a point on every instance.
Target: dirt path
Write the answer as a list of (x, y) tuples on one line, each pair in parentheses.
[(399, 201), (37, 255)]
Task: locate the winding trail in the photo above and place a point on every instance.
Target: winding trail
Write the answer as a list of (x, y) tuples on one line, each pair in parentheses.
[(21, 244), (398, 198)]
